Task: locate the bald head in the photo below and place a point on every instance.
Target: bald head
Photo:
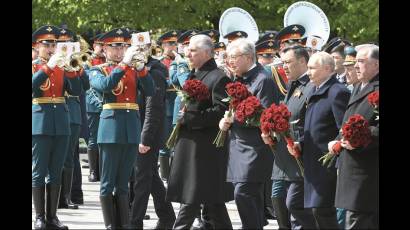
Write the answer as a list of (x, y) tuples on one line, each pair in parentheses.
[(320, 67)]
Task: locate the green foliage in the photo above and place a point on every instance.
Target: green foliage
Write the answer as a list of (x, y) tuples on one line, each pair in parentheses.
[(355, 20)]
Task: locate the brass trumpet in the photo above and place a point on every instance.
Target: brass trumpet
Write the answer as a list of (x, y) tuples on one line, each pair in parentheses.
[(76, 60), (141, 56)]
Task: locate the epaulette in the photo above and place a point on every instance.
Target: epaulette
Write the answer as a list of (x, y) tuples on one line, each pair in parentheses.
[(278, 82)]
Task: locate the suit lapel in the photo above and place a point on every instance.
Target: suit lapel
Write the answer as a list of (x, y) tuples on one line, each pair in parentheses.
[(322, 90), (364, 92)]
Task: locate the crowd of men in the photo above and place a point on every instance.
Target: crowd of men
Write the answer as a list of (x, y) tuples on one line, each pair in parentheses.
[(131, 108)]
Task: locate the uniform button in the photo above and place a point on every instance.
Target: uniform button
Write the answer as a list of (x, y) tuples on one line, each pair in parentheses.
[(125, 87), (54, 95), (127, 99), (52, 84), (55, 106), (128, 111)]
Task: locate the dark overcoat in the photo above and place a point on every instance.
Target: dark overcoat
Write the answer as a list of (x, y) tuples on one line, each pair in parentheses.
[(198, 170), (285, 166), (250, 159), (323, 120), (358, 180)]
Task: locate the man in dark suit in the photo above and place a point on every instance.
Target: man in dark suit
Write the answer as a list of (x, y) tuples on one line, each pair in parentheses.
[(358, 181), (287, 189), (146, 177), (326, 106), (250, 161), (198, 170)]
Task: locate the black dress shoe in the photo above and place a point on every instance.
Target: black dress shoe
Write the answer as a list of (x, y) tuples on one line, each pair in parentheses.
[(54, 223), (67, 205), (77, 201), (40, 223)]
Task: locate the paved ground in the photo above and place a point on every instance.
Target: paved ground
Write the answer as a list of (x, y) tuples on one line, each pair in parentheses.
[(89, 215)]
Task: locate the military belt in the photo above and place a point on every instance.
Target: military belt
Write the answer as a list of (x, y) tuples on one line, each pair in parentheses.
[(133, 106), (44, 100)]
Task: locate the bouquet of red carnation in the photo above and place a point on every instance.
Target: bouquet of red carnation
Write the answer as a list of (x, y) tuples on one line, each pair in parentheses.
[(249, 111), (275, 122), (193, 90), (356, 131), (373, 99), (237, 92)]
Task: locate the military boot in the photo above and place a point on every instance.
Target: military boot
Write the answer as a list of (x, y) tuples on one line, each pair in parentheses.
[(39, 203), (52, 221), (65, 196)]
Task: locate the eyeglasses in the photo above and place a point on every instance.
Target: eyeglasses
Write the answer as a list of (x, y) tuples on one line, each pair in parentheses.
[(235, 57)]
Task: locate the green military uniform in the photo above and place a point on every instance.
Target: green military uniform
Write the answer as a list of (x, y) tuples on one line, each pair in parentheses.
[(119, 127), (50, 130)]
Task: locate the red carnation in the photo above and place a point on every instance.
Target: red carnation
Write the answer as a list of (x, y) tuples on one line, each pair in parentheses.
[(275, 122), (373, 99), (193, 90), (357, 131)]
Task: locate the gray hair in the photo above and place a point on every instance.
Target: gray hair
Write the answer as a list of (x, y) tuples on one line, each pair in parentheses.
[(203, 42), (371, 49), (244, 46), (323, 59)]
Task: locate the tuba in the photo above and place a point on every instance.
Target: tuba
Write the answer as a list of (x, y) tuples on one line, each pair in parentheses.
[(234, 19), (310, 16)]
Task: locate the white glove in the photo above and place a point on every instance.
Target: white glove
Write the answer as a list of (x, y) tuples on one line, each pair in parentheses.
[(131, 51), (56, 59)]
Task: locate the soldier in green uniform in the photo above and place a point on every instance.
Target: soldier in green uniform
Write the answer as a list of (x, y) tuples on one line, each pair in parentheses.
[(94, 106), (168, 42), (73, 102), (119, 127), (50, 125)]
